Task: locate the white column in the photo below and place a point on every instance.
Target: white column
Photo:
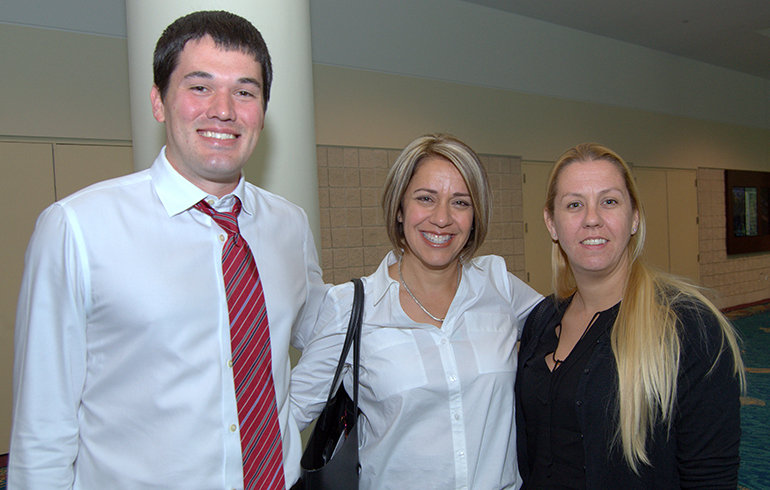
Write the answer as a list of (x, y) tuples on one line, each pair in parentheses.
[(285, 159)]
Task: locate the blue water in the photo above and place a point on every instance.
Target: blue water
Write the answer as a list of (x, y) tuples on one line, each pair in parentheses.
[(754, 473)]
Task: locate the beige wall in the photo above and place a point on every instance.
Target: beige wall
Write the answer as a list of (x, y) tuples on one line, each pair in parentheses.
[(376, 110), (59, 84)]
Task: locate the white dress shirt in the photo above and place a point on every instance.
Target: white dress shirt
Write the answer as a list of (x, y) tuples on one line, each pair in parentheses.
[(122, 377), (438, 404)]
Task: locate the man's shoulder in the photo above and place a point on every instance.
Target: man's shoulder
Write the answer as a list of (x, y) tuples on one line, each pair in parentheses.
[(106, 190), (265, 201)]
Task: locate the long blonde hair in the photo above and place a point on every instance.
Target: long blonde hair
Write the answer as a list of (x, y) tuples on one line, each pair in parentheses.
[(645, 338)]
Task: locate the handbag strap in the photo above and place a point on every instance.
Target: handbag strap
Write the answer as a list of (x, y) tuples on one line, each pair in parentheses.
[(353, 337)]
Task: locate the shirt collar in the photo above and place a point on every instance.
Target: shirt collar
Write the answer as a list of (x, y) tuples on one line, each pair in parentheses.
[(177, 194), (382, 282)]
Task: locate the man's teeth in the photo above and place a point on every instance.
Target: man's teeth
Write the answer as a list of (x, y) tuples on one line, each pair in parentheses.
[(219, 136), (437, 239), (594, 241)]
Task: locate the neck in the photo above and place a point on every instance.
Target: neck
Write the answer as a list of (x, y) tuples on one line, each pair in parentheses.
[(599, 295), (428, 279), (426, 294)]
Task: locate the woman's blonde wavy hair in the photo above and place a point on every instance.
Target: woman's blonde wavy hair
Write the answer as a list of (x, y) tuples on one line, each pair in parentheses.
[(645, 341)]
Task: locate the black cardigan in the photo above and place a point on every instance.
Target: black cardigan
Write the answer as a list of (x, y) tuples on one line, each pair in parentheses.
[(702, 448)]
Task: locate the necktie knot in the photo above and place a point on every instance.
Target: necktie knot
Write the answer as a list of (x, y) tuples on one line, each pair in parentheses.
[(228, 221)]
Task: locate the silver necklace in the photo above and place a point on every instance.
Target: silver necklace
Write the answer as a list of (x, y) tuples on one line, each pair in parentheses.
[(401, 276)]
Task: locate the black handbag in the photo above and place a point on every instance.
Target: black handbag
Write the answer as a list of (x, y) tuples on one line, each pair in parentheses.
[(330, 460)]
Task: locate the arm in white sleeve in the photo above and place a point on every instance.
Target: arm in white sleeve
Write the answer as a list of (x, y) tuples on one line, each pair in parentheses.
[(50, 357), (312, 377), (524, 299)]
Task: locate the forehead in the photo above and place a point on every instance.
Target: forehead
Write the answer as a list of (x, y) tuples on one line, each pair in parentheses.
[(436, 170), (597, 174), (433, 164), (205, 55)]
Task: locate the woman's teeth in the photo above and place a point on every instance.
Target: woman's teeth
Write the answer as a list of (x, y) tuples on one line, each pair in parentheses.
[(437, 239), (594, 241)]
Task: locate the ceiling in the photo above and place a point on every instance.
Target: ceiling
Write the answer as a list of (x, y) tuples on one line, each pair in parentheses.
[(733, 34)]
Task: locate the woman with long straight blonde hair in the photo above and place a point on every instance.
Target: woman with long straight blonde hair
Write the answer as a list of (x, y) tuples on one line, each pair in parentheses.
[(628, 377)]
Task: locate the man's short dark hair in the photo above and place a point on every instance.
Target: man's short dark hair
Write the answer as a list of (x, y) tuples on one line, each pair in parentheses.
[(229, 31)]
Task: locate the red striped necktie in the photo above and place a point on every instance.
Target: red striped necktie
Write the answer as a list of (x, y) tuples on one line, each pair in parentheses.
[(252, 364)]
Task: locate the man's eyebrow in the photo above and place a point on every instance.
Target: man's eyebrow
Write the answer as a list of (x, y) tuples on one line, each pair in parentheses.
[(207, 75), (249, 80), (198, 74)]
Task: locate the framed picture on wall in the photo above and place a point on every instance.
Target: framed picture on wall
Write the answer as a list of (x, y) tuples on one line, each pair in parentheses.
[(747, 199)]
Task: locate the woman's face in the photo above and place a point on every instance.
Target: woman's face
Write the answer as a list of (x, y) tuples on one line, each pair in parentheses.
[(593, 218), (436, 213)]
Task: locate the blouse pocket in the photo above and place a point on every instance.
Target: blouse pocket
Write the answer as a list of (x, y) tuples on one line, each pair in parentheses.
[(493, 337), (391, 362)]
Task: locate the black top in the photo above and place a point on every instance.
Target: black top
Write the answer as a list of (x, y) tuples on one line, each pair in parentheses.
[(701, 449), (554, 437)]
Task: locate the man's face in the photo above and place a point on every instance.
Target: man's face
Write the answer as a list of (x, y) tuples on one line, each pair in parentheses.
[(214, 112)]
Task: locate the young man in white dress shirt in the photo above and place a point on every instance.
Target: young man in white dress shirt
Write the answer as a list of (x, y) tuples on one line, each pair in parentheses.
[(123, 376)]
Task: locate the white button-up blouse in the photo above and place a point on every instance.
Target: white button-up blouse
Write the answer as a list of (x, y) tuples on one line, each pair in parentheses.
[(438, 404)]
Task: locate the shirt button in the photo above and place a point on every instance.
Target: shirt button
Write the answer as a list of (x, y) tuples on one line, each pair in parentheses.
[(233, 428), (457, 416), (221, 238), (452, 378), (578, 403), (460, 454), (230, 363), (443, 341)]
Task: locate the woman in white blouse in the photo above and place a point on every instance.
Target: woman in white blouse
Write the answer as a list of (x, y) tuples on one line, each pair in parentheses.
[(438, 357)]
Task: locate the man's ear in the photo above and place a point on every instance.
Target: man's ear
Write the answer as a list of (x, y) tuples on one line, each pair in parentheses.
[(157, 105)]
